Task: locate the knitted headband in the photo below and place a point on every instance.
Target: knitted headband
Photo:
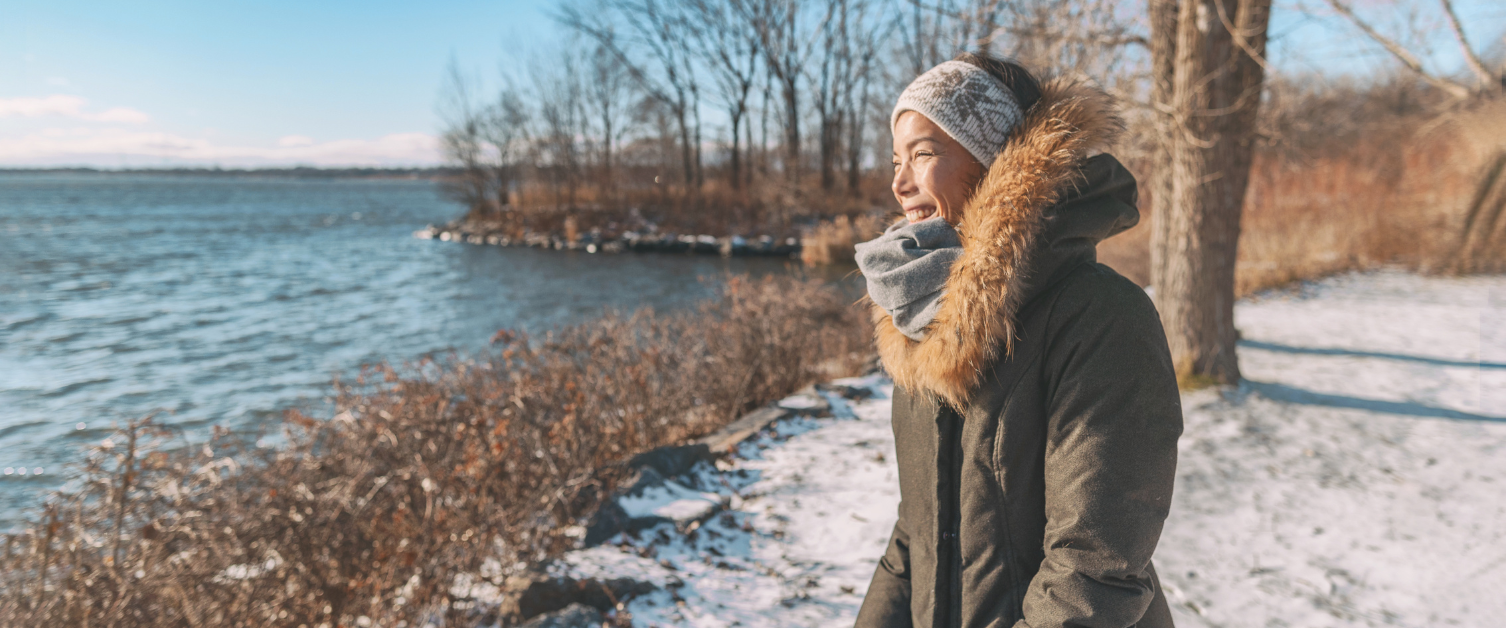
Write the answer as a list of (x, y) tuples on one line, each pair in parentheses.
[(968, 103)]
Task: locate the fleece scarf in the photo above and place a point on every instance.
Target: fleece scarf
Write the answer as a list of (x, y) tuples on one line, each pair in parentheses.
[(907, 268)]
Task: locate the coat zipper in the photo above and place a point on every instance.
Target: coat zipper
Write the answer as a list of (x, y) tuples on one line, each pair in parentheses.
[(949, 584)]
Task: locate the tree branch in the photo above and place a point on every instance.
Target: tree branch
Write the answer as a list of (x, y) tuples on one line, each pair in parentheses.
[(1475, 64), (1402, 54)]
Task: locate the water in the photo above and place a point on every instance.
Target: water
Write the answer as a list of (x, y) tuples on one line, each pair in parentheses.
[(227, 300)]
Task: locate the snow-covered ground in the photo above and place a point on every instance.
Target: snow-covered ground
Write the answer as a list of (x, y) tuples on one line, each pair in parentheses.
[(1357, 479)]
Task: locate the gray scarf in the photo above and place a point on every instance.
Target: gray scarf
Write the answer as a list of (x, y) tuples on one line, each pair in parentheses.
[(906, 269)]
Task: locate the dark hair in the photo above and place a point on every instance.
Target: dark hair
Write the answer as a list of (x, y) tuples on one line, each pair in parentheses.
[(1025, 86)]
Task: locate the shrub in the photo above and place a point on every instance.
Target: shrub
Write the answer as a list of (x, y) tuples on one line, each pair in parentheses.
[(833, 242), (389, 510)]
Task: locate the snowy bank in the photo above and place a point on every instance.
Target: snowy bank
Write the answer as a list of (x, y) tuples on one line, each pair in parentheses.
[(1355, 480)]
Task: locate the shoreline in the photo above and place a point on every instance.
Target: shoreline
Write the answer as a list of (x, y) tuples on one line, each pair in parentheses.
[(628, 242)]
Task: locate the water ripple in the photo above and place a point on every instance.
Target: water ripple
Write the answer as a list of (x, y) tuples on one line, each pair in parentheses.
[(227, 301)]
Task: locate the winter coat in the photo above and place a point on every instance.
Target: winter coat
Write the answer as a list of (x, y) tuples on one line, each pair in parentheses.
[(1036, 424)]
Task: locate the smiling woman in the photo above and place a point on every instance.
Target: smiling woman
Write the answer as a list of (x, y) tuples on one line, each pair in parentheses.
[(1036, 412)]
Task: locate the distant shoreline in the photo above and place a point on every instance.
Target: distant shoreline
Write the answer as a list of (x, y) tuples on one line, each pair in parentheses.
[(301, 172)]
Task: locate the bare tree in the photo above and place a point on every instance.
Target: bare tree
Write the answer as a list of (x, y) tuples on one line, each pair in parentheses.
[(608, 95), (464, 143), (857, 95), (561, 114), (733, 48), (1216, 62), (658, 30), (1081, 38), (786, 45), (508, 133), (930, 33), (1484, 79)]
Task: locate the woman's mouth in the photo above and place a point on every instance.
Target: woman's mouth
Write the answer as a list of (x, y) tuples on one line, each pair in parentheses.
[(917, 214)]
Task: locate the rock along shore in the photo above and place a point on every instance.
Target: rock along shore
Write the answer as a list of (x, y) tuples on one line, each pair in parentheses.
[(631, 241)]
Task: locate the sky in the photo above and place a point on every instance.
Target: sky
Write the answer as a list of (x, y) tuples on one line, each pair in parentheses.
[(146, 83), (153, 83)]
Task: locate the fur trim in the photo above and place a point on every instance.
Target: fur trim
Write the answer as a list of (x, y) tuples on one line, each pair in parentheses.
[(999, 228)]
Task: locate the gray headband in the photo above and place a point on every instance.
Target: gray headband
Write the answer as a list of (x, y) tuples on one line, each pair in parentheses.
[(968, 103)]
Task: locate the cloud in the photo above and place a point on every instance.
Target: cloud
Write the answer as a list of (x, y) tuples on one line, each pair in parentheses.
[(59, 105), (120, 114), (116, 147)]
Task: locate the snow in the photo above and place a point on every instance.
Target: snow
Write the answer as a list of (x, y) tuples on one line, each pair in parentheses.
[(670, 500), (800, 402), (1355, 480)]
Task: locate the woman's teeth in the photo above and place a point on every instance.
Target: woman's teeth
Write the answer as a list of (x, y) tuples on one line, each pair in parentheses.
[(920, 213)]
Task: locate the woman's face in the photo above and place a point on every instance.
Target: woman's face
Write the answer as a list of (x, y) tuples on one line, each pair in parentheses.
[(933, 174)]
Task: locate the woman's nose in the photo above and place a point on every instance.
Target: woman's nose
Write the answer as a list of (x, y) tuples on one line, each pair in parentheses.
[(904, 183)]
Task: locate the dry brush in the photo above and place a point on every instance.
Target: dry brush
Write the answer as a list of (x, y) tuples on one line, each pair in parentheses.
[(429, 481)]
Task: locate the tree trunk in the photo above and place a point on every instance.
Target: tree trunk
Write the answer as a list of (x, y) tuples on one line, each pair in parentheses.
[(1163, 49), (735, 177), (855, 145), (830, 127), (686, 159), (792, 132), (1215, 91)]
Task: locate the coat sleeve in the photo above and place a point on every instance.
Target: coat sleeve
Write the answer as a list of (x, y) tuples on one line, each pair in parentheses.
[(1113, 418), (887, 603)]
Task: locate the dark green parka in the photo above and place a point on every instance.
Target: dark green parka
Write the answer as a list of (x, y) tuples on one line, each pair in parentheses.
[(1036, 425)]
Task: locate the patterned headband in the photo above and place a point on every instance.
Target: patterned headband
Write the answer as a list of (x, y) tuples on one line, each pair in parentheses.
[(968, 103)]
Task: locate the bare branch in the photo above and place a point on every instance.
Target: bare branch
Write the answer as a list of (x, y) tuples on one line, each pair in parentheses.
[(1402, 54), (1475, 64), (1241, 38)]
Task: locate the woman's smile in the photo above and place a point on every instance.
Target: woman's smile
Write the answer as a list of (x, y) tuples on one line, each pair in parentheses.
[(919, 212)]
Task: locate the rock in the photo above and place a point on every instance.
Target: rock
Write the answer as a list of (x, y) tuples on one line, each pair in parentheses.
[(854, 393), (807, 402), (725, 439), (672, 460), (610, 518), (532, 595), (642, 479), (669, 502), (607, 522), (573, 616), (646, 500)]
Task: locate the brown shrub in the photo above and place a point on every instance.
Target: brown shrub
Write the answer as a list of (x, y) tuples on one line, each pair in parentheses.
[(833, 241), (430, 480)]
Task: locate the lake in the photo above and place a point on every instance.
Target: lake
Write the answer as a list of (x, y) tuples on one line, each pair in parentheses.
[(226, 300)]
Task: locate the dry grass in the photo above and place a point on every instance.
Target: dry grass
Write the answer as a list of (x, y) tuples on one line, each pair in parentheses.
[(833, 241), (1399, 194), (388, 510)]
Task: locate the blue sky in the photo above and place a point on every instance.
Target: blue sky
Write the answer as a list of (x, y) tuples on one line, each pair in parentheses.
[(231, 75), (169, 82)]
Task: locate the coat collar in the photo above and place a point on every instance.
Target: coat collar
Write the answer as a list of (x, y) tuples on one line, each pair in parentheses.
[(1000, 228)]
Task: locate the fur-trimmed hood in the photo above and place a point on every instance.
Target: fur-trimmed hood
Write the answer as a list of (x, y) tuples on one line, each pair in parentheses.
[(1040, 210)]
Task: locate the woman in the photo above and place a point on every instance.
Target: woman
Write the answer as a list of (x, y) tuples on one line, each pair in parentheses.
[(1036, 411)]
